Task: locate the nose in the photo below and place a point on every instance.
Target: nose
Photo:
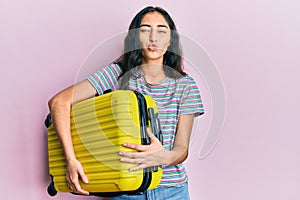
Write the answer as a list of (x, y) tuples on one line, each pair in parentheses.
[(153, 36)]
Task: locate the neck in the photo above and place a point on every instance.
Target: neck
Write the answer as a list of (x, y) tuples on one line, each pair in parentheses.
[(152, 69), (154, 73)]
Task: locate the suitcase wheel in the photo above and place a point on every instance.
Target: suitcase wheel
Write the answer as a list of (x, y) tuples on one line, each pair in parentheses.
[(51, 190), (48, 121)]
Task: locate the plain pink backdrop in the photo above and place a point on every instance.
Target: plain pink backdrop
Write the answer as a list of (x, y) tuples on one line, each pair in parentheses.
[(255, 45)]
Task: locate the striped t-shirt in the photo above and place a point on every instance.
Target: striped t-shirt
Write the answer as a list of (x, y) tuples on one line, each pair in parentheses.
[(174, 97)]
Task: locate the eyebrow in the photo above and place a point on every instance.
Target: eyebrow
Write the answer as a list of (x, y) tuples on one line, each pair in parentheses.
[(159, 25)]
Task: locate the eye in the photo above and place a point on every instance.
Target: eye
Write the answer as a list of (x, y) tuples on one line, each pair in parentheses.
[(144, 30), (162, 31)]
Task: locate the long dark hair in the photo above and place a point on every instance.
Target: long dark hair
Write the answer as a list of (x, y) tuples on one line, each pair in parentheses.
[(132, 56)]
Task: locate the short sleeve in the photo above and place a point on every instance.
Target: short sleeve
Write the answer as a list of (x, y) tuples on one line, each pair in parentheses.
[(191, 101), (105, 79)]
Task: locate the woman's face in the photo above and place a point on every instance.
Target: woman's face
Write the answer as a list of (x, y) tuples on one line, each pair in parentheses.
[(155, 37)]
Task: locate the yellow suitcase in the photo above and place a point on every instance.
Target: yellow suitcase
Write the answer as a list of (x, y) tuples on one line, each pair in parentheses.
[(99, 127)]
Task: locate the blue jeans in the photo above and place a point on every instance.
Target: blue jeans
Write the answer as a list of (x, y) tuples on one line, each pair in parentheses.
[(160, 193)]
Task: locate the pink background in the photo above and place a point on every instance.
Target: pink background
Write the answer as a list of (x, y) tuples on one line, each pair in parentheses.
[(255, 45)]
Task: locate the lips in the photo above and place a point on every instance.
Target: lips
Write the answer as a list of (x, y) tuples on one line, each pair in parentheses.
[(152, 47)]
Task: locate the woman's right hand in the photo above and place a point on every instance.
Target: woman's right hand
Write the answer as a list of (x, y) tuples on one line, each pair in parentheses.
[(74, 171)]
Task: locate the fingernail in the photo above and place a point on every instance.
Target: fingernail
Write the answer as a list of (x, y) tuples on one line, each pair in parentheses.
[(125, 144), (121, 153)]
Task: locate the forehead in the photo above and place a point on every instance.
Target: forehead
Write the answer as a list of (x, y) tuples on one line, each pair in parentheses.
[(154, 19)]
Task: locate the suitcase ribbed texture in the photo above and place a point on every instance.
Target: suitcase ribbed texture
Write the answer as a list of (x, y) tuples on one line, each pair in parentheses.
[(99, 127)]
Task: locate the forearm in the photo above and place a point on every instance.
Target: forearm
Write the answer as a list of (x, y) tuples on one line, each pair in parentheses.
[(60, 113), (60, 107), (179, 153), (175, 156)]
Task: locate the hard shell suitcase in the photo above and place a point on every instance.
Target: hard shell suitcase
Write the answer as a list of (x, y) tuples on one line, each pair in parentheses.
[(99, 127)]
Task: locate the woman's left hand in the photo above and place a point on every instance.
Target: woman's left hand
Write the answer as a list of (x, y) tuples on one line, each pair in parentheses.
[(147, 155)]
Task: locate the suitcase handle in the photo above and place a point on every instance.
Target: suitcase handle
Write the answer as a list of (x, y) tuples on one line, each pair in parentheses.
[(156, 129), (155, 124)]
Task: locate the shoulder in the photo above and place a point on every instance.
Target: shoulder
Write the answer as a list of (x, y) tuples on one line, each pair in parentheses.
[(186, 81), (112, 70), (113, 67)]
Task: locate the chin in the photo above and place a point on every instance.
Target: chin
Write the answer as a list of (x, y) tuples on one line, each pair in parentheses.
[(154, 55)]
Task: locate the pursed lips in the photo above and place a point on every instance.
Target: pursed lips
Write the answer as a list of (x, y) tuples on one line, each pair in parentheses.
[(152, 46)]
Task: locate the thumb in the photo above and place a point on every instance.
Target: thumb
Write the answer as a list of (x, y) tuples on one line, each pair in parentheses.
[(84, 178), (150, 134)]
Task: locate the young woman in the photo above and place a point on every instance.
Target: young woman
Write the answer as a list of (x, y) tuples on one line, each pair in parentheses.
[(152, 65)]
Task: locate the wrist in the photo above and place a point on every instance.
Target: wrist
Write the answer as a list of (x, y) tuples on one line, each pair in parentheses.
[(175, 157), (167, 158), (70, 158)]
